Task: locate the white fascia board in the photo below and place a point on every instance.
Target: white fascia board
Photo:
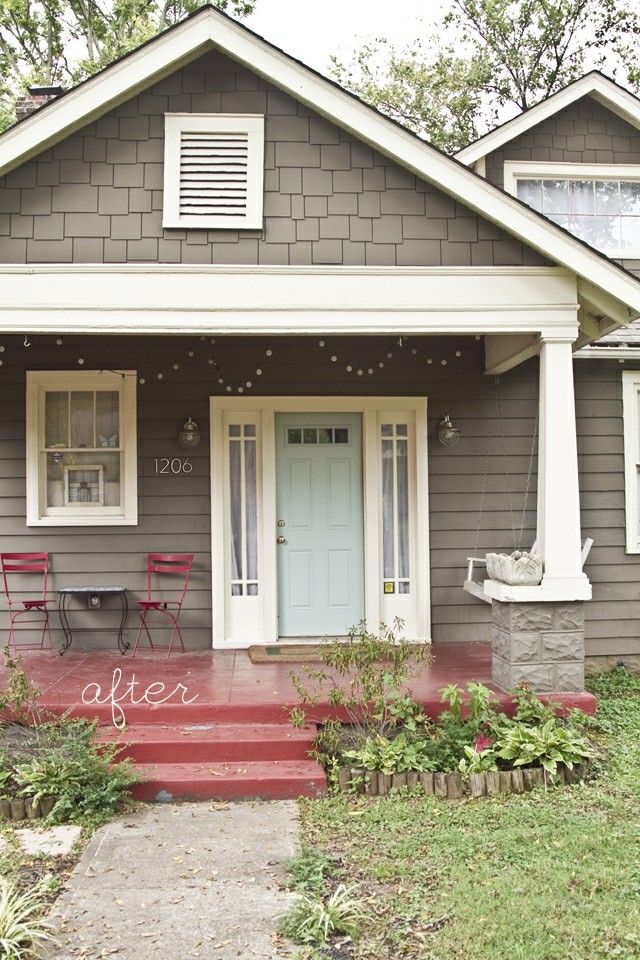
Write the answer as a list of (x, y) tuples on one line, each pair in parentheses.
[(609, 94), (608, 353), (211, 29), (294, 300)]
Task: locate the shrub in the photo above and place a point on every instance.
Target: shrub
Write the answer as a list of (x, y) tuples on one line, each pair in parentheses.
[(364, 675), (23, 932), (87, 783), (314, 921), (547, 745)]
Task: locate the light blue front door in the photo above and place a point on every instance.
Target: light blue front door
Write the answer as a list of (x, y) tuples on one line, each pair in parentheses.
[(320, 523)]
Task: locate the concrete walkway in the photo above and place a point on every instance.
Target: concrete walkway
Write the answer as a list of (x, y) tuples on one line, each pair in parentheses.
[(180, 882)]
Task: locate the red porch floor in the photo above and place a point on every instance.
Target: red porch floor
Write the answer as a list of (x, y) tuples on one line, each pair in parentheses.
[(220, 686)]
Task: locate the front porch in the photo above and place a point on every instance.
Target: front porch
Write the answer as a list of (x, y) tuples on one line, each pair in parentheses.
[(224, 686)]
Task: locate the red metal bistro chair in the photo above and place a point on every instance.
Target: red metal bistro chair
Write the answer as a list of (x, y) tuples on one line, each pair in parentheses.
[(162, 564), (19, 564)]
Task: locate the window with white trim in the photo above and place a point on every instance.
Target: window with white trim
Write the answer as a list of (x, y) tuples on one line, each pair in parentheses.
[(598, 203), (631, 416), (81, 448), (213, 171)]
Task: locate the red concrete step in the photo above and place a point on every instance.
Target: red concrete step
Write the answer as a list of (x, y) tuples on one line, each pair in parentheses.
[(202, 743), (271, 779)]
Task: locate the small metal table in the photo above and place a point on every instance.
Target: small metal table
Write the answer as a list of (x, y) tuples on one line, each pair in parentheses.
[(94, 602)]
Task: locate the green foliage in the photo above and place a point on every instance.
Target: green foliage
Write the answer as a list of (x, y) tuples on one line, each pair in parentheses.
[(311, 871), (546, 745), (312, 920), (64, 41), (20, 697), (364, 675), (531, 709), (477, 761), (88, 784), (22, 929), (399, 755), (488, 55)]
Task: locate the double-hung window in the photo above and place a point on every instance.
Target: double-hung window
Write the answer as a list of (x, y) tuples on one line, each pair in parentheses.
[(81, 448)]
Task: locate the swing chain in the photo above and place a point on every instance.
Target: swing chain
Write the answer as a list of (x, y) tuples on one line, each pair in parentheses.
[(517, 535)]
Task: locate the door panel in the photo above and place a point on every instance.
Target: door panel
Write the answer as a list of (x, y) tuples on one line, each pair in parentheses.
[(320, 518)]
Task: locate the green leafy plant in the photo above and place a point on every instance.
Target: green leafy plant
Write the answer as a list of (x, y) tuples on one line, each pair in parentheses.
[(362, 676), (85, 779), (547, 746), (529, 708), (477, 761), (6, 775), (312, 920), (398, 755), (23, 931)]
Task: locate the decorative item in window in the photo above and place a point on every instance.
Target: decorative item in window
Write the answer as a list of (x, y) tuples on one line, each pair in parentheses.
[(189, 436), (448, 434), (84, 484)]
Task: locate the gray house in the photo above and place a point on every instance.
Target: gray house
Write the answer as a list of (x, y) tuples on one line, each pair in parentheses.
[(210, 240)]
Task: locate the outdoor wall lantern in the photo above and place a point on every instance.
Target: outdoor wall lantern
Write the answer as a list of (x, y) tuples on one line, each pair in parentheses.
[(448, 434), (189, 436)]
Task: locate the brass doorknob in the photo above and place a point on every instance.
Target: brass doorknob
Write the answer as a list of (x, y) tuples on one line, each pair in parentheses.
[(281, 540)]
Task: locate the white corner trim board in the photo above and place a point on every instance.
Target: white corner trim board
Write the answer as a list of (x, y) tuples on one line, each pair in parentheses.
[(209, 29), (631, 423), (620, 101)]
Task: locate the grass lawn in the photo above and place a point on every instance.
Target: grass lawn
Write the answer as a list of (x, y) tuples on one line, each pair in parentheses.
[(543, 876)]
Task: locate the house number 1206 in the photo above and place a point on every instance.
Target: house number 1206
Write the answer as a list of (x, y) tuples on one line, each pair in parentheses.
[(173, 466)]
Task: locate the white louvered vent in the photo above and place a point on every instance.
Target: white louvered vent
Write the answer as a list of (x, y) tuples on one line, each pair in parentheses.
[(213, 171)]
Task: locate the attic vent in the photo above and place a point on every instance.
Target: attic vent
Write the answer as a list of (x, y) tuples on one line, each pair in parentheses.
[(213, 172)]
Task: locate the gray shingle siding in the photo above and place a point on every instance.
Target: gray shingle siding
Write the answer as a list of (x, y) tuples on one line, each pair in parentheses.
[(585, 132), (97, 196)]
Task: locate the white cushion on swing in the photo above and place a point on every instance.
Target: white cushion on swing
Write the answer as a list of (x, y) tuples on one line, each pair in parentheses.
[(517, 568)]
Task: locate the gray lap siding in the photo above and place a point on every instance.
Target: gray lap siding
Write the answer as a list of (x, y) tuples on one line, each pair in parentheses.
[(174, 512)]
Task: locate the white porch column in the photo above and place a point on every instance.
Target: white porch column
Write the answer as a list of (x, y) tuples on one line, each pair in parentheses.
[(559, 538)]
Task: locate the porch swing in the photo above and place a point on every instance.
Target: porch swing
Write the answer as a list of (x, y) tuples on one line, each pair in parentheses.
[(522, 568)]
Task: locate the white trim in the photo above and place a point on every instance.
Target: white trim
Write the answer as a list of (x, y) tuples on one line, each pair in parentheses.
[(122, 381), (175, 124), (515, 170), (184, 300), (631, 424), (609, 94), (209, 28), (603, 352), (262, 410)]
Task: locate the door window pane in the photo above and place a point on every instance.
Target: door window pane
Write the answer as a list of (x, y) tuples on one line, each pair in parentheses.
[(243, 508)]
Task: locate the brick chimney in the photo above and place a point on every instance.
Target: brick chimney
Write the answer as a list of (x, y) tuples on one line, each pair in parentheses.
[(34, 98)]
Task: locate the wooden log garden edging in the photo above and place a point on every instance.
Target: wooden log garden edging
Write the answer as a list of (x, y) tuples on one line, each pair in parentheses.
[(25, 808), (451, 786)]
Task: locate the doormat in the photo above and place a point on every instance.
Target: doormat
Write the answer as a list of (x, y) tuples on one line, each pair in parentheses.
[(287, 653)]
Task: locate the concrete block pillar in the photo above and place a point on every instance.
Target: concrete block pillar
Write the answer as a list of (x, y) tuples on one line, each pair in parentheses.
[(538, 643)]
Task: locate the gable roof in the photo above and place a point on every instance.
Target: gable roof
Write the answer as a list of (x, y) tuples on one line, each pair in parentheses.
[(594, 84), (209, 28)]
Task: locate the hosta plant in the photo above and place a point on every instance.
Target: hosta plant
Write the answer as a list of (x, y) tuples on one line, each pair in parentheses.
[(23, 932), (399, 755), (547, 745), (477, 761)]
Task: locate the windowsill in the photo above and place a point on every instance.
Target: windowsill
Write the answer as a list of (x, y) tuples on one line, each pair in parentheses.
[(96, 520)]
